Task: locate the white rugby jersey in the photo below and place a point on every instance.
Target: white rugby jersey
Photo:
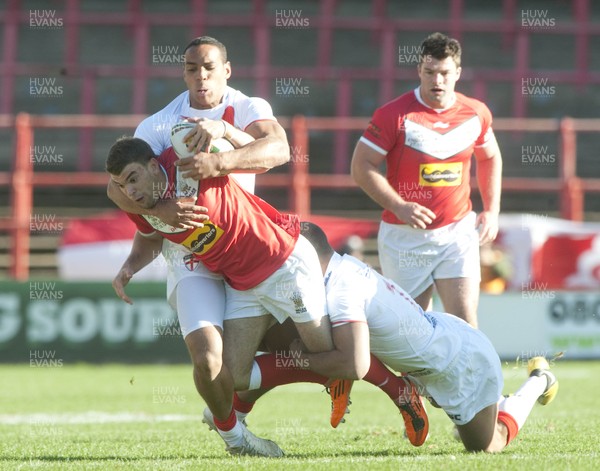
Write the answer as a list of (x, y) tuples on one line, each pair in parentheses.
[(401, 334), (236, 108)]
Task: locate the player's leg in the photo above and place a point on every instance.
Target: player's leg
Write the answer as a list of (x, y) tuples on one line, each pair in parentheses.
[(457, 271), (484, 432), (241, 341), (541, 386), (201, 325), (200, 307), (425, 299), (212, 379), (408, 259), (460, 296), (277, 339), (495, 426), (467, 382)]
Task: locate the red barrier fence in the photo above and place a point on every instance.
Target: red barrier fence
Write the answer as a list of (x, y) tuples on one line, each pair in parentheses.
[(298, 181)]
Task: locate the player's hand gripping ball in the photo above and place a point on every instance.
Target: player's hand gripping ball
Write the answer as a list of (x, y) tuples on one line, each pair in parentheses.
[(180, 130)]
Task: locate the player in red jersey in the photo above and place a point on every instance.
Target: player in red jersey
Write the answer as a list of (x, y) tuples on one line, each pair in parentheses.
[(271, 271), (260, 142), (429, 235)]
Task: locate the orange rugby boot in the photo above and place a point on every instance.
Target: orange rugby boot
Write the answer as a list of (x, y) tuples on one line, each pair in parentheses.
[(414, 414), (339, 390)]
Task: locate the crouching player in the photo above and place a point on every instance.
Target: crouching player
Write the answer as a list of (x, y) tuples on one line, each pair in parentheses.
[(450, 362)]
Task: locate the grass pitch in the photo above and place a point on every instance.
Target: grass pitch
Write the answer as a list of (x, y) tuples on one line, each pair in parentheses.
[(142, 417)]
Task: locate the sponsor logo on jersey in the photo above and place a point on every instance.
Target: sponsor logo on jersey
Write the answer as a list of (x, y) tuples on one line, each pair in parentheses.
[(202, 239), (442, 174)]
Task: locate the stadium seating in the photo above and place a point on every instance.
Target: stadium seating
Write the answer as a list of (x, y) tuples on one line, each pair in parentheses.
[(341, 58)]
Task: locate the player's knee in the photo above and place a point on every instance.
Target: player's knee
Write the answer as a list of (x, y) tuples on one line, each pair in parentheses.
[(494, 446), (241, 382), (207, 364)]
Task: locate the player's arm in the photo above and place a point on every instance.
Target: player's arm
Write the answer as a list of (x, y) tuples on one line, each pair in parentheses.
[(269, 148), (208, 129), (176, 213), (365, 165), (351, 357), (145, 248), (489, 180)]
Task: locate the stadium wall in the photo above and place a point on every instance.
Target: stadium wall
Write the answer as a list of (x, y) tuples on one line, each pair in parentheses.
[(549, 323), (48, 323), (51, 323)]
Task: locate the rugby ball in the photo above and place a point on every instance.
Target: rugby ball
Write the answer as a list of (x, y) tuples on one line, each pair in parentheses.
[(180, 130), (187, 187)]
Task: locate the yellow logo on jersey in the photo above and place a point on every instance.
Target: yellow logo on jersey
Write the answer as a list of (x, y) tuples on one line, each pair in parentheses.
[(442, 174), (202, 239)]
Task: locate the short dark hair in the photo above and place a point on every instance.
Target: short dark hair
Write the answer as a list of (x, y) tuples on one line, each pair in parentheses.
[(127, 150), (439, 46), (317, 238), (208, 40)]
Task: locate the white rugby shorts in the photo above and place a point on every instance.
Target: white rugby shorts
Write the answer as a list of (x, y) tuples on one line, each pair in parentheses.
[(295, 290), (414, 258), (197, 294), (472, 381)]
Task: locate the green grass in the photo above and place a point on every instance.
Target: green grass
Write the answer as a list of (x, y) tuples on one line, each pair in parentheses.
[(562, 435)]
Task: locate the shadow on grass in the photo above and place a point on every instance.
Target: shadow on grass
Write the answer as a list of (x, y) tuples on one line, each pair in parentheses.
[(374, 454), (128, 459)]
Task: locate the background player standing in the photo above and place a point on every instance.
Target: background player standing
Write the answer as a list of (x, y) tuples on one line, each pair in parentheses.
[(428, 234)]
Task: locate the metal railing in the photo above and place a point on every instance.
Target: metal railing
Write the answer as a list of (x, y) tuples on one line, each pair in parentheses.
[(298, 181)]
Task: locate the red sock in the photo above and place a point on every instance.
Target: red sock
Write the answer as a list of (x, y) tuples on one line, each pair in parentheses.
[(228, 423), (241, 406), (277, 369), (511, 425), (384, 379)]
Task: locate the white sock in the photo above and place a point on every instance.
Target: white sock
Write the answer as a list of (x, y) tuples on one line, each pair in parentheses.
[(255, 377), (241, 416), (233, 437), (519, 405)]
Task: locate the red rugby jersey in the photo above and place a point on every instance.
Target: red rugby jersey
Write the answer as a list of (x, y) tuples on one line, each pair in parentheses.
[(246, 240), (428, 152)]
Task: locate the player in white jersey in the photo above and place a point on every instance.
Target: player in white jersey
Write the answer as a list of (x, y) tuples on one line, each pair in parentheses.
[(197, 294), (451, 362)]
